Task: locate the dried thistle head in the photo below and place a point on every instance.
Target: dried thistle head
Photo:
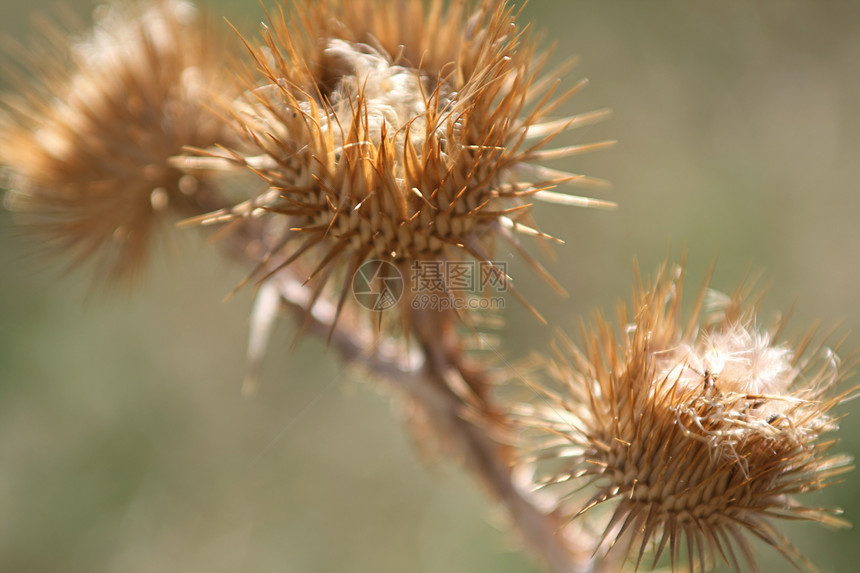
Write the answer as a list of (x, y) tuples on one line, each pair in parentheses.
[(87, 138), (697, 432), (394, 132)]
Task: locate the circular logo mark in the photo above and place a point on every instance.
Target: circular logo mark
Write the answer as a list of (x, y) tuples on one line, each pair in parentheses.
[(377, 285)]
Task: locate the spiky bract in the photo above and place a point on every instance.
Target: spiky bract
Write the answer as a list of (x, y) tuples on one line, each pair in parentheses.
[(699, 431), (387, 130), (87, 140)]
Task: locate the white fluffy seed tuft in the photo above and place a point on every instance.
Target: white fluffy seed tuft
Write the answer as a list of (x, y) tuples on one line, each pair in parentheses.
[(735, 360)]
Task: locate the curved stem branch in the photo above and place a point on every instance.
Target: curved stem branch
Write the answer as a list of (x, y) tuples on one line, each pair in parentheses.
[(429, 381)]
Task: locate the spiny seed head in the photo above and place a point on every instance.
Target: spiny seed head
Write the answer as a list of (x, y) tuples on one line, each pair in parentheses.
[(86, 141), (699, 432), (391, 131)]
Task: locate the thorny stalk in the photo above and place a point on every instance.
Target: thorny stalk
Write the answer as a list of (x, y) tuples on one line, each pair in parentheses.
[(427, 380)]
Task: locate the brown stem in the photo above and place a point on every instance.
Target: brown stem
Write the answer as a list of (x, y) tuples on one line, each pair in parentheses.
[(436, 383), (451, 394)]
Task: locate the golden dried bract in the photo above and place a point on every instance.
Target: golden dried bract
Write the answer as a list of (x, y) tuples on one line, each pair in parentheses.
[(697, 432), (400, 132), (87, 138)]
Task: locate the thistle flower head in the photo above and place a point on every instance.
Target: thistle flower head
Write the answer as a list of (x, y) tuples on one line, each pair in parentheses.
[(397, 132), (698, 432), (87, 140)]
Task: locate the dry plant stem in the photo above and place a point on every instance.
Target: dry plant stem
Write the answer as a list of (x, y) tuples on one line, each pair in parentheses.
[(445, 370), (427, 382)]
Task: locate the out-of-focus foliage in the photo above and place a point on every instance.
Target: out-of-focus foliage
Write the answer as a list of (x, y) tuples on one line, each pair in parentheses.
[(124, 442)]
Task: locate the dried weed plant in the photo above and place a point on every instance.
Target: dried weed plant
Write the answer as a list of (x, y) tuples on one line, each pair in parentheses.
[(699, 432), (88, 138), (409, 133), (399, 134)]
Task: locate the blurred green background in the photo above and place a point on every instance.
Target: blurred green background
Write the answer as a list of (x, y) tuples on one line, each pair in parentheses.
[(125, 445)]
